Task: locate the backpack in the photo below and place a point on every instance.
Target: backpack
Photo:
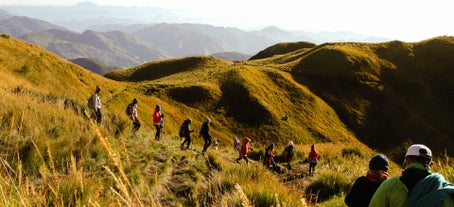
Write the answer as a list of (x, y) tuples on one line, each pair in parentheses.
[(181, 132), (129, 110), (91, 102), (314, 160)]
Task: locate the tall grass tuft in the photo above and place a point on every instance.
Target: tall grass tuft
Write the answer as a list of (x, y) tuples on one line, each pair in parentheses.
[(327, 186)]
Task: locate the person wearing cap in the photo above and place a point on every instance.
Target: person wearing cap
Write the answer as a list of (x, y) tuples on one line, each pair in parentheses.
[(313, 159), (205, 133), (158, 121), (365, 186), (97, 104), (417, 186)]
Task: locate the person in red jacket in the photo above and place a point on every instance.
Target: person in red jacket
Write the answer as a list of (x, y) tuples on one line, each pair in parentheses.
[(244, 150), (269, 157), (158, 121), (313, 159)]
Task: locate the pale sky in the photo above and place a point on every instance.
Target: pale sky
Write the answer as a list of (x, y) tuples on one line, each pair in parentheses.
[(405, 20)]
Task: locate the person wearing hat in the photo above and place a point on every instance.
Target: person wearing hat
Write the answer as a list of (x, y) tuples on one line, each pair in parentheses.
[(417, 186), (364, 187), (205, 133), (158, 121)]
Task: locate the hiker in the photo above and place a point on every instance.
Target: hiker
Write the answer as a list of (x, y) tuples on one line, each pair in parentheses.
[(158, 121), (289, 152), (364, 187), (417, 186), (186, 133), (95, 104), (236, 144), (268, 160), (131, 111), (313, 159), (244, 151), (205, 133)]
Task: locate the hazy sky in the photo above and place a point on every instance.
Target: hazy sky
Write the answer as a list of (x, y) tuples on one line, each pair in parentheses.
[(406, 20)]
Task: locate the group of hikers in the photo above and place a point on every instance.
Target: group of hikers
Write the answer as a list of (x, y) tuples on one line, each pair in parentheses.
[(186, 131), (94, 103), (268, 159), (416, 187)]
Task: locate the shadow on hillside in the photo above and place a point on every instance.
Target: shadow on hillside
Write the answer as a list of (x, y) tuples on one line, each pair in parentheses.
[(241, 105), (389, 108)]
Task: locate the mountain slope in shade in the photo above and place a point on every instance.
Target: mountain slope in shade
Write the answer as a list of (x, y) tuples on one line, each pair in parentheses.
[(17, 26), (390, 94), (96, 66)]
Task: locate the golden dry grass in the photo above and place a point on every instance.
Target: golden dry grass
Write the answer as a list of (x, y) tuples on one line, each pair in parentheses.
[(53, 155)]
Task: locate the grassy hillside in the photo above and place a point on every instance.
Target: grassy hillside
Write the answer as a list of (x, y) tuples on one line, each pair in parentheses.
[(390, 94), (243, 100), (282, 48), (52, 154)]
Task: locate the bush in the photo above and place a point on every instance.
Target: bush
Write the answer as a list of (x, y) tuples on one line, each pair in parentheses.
[(6, 36), (327, 186), (355, 151), (256, 154), (214, 162)]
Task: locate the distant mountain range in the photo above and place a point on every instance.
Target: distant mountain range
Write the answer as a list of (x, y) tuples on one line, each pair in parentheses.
[(122, 36)]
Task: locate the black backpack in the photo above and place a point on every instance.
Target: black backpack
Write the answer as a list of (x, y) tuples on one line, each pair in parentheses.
[(129, 109), (182, 133), (91, 102)]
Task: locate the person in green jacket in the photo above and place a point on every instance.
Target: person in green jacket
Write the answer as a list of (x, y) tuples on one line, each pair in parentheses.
[(417, 186)]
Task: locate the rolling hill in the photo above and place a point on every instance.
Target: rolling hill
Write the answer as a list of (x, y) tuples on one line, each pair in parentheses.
[(385, 93), (390, 94)]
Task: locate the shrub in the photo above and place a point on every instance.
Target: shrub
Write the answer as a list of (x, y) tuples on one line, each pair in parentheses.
[(214, 162), (6, 36), (354, 151), (327, 186), (256, 154)]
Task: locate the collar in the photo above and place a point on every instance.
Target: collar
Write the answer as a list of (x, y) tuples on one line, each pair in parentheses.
[(416, 165)]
